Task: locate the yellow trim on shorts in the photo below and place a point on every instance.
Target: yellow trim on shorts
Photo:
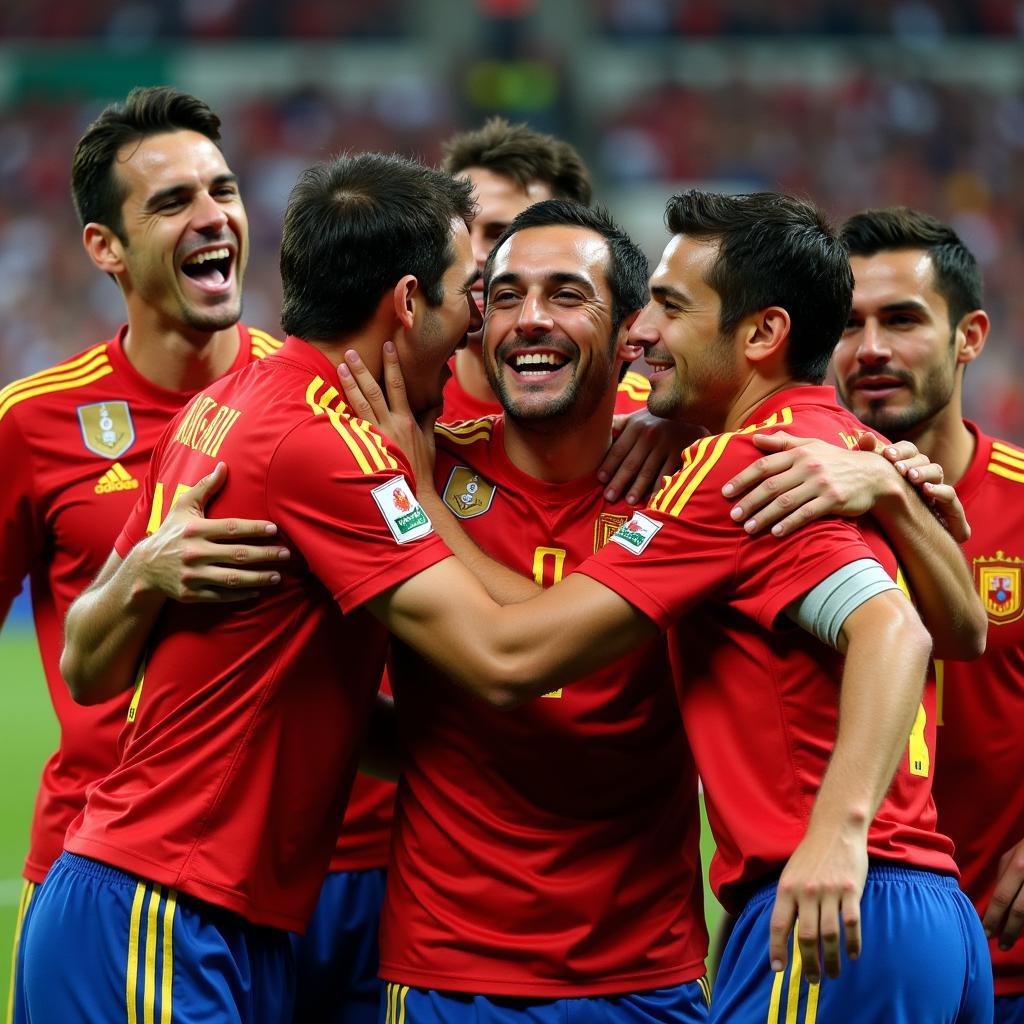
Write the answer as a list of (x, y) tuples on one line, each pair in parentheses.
[(159, 925), (27, 892)]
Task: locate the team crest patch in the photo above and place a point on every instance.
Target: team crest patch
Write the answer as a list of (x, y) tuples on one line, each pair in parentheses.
[(606, 525), (467, 493), (636, 534), (107, 428), (402, 512), (999, 584)]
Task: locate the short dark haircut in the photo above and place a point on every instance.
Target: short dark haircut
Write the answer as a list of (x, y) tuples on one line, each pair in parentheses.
[(522, 154), (627, 270), (356, 225), (957, 275), (774, 250), (97, 192)]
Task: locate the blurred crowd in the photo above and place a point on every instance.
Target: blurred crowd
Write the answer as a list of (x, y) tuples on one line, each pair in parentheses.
[(863, 141)]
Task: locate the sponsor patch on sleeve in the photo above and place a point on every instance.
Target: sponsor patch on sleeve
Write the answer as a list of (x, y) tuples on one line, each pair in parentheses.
[(636, 533), (401, 511)]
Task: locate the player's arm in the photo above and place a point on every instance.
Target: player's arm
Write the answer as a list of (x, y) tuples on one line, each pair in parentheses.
[(187, 558), (508, 655), (22, 540), (803, 479), (887, 650), (1004, 915)]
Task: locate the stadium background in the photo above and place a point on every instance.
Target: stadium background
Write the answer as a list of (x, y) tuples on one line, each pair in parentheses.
[(853, 102)]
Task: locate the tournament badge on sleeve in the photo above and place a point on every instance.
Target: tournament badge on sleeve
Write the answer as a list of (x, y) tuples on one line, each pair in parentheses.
[(107, 428), (998, 580)]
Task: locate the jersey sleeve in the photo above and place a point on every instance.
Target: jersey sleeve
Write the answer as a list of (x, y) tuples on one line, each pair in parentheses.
[(631, 393), (684, 549), (347, 498), (22, 534)]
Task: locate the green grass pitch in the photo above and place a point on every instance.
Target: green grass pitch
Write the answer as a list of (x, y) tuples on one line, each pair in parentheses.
[(28, 734)]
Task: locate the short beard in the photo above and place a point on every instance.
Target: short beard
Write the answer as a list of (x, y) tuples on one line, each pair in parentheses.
[(212, 321)]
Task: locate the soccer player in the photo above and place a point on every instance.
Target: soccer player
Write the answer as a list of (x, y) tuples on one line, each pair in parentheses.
[(917, 322), (545, 859), (161, 214), (510, 167), (820, 804)]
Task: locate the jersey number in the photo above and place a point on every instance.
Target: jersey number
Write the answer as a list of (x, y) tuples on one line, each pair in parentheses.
[(548, 566)]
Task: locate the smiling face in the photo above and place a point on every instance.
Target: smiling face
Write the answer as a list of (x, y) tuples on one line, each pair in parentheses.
[(548, 344), (185, 231), (695, 369), (896, 364), (440, 329)]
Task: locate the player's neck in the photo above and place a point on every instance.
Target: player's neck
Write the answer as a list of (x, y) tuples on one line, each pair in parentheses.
[(469, 370), (945, 439), (177, 360), (558, 451)]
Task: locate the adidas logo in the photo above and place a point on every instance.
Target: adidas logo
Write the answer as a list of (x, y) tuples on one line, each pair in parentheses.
[(117, 478)]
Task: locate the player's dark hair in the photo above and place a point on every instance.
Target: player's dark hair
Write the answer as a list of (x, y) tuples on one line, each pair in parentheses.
[(356, 225), (522, 154), (957, 275), (774, 250), (627, 270), (97, 191)]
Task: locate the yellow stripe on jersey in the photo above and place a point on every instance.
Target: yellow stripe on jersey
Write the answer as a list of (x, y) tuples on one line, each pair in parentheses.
[(363, 441), (132, 970), (636, 385), (60, 371), (32, 388), (466, 431), (27, 891), (1007, 462), (263, 344), (674, 495)]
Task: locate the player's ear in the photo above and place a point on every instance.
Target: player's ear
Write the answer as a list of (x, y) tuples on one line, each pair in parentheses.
[(624, 348), (764, 333), (971, 333), (105, 249), (404, 297)]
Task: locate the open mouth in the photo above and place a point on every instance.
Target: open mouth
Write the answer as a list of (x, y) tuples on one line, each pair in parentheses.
[(535, 364), (210, 268)]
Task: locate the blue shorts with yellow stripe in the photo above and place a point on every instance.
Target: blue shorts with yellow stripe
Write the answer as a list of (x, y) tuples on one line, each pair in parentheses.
[(924, 959), (106, 946), (1010, 1009), (677, 1004), (16, 1013), (337, 959)]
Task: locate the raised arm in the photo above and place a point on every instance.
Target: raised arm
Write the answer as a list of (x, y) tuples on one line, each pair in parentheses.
[(188, 559), (887, 651), (803, 479)]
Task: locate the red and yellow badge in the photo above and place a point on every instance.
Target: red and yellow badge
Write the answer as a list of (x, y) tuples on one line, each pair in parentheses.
[(998, 579), (401, 500)]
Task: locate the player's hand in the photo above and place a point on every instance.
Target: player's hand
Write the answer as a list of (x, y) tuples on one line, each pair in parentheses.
[(803, 479), (819, 895), (646, 449), (1004, 915), (927, 477), (390, 412), (190, 558)]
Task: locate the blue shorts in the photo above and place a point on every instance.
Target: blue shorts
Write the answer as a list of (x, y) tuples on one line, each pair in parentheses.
[(924, 958), (1010, 1009), (337, 960), (678, 1004), (107, 946), (16, 1013)]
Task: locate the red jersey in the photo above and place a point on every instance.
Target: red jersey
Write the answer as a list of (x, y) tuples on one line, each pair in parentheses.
[(978, 788), (242, 736), (760, 703), (550, 850), (365, 838), (459, 404), (76, 440)]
